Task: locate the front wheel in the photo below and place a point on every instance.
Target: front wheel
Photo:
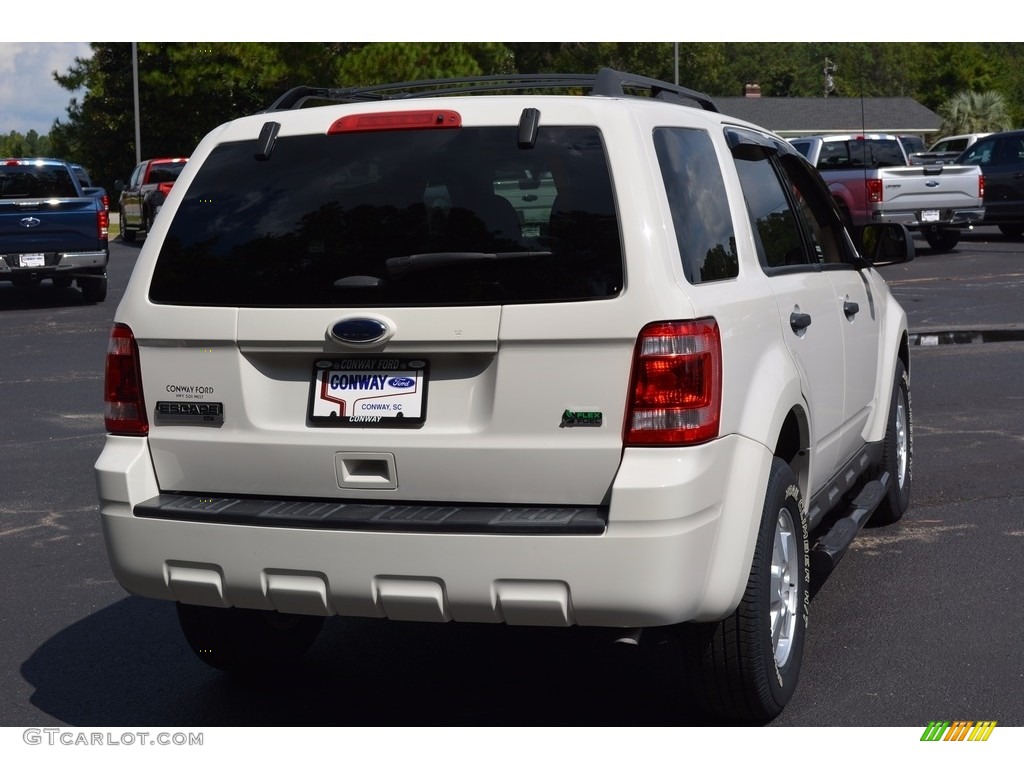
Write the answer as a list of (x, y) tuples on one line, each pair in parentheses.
[(243, 640), (127, 235), (1012, 231), (943, 240), (746, 666)]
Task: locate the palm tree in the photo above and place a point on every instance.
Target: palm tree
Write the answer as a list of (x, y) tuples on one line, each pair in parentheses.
[(975, 112)]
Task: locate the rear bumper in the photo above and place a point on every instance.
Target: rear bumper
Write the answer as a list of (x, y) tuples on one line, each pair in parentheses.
[(960, 218), (676, 547), (55, 263)]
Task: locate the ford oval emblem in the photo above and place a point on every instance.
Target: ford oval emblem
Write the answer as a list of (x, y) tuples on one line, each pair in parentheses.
[(360, 330), (29, 222), (401, 383)]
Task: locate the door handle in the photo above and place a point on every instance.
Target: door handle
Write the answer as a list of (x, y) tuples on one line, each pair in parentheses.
[(850, 308), (799, 321)]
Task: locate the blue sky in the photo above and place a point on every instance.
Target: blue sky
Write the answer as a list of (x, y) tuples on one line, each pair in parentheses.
[(30, 99)]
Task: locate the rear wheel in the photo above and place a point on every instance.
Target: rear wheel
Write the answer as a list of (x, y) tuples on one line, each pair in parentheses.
[(1012, 230), (943, 239), (897, 452), (94, 287), (238, 639), (746, 667)]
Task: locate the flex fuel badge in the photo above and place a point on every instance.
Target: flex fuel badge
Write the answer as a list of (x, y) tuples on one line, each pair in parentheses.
[(572, 418)]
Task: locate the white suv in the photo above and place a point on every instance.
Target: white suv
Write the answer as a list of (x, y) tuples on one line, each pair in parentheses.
[(533, 358)]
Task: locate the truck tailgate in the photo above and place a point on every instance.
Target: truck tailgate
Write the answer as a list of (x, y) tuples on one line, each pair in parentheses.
[(934, 188)]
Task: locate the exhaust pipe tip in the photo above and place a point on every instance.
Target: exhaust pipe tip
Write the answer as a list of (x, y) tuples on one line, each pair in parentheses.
[(629, 637)]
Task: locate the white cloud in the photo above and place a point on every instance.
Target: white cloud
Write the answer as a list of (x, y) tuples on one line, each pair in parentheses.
[(30, 98)]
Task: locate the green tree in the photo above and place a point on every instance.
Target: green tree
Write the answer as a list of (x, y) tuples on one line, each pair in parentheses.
[(975, 112), (401, 62), (31, 144)]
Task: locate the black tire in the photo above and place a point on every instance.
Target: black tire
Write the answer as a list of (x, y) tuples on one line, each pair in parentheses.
[(897, 452), (942, 240), (30, 281), (127, 235), (242, 640), (1012, 230), (150, 217), (746, 667), (94, 288)]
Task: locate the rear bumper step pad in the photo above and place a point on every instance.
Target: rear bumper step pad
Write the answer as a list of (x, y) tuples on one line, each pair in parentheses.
[(376, 516)]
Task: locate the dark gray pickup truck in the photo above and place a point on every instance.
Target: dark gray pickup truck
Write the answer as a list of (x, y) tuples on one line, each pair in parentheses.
[(50, 229)]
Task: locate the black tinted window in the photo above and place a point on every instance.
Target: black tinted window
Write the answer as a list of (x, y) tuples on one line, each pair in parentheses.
[(164, 172), (390, 218), (861, 153), (777, 231), (34, 181), (700, 210)]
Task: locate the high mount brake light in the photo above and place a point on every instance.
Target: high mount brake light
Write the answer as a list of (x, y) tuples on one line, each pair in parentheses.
[(124, 411), (676, 385), (397, 121)]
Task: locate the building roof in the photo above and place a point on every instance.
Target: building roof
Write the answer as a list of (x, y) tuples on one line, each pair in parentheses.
[(809, 116)]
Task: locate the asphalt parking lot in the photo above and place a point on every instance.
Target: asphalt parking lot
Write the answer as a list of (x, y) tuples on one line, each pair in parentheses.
[(921, 621)]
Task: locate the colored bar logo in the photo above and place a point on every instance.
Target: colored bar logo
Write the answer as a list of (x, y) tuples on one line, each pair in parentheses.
[(958, 730)]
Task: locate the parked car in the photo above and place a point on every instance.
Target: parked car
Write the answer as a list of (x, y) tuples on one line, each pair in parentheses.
[(945, 150), (144, 193), (51, 230), (870, 180), (911, 143), (1001, 159), (359, 372), (88, 188)]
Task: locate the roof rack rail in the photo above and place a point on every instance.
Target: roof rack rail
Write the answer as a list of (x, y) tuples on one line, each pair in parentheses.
[(607, 82)]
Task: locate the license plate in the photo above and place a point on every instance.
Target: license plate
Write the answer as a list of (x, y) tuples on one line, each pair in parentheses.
[(32, 260), (929, 215), (368, 392)]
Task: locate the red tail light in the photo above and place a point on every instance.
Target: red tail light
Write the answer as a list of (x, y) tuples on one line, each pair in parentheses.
[(106, 202), (981, 187), (164, 187), (874, 190), (124, 411), (676, 388), (102, 224)]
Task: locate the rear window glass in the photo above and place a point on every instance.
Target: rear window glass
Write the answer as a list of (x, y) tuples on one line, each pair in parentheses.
[(32, 181), (160, 173), (393, 218), (861, 153)]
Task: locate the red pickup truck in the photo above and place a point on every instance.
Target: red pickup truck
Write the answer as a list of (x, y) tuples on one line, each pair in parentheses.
[(144, 193)]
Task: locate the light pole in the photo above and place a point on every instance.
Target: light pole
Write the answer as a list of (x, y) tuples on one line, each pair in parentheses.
[(135, 87)]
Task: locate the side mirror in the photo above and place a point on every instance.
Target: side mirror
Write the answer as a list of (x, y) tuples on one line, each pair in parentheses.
[(882, 244)]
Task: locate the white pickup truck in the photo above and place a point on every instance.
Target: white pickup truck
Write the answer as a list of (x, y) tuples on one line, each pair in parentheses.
[(871, 181)]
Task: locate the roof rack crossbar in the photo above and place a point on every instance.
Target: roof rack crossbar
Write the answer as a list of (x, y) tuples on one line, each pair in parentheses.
[(607, 82)]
